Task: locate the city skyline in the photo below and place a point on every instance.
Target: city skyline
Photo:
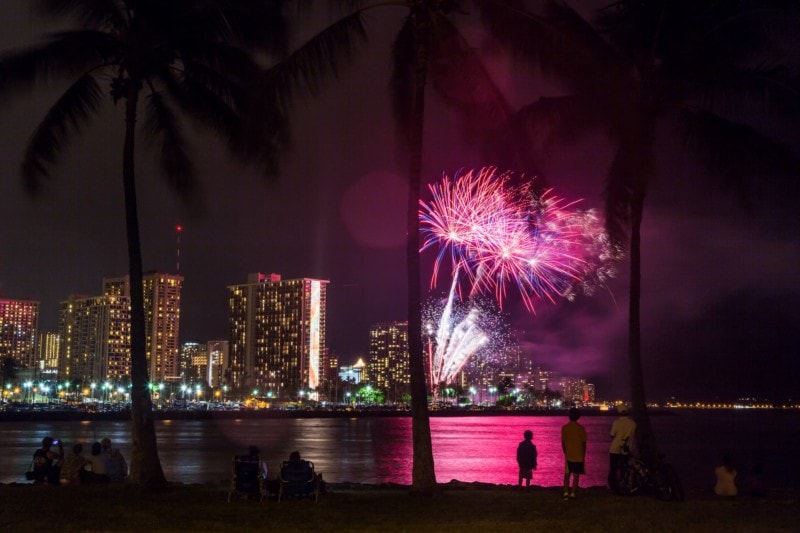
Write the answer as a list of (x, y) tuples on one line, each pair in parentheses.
[(721, 286)]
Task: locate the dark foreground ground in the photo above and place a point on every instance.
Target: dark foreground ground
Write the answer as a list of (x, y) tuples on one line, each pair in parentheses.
[(455, 507)]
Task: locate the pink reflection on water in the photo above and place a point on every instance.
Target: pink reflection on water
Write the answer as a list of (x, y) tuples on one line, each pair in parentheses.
[(483, 449)]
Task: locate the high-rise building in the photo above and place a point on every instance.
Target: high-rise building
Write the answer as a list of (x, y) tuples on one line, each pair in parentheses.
[(577, 390), (195, 361), (277, 334), (48, 346), (218, 357), (95, 338), (388, 366), (162, 313), (19, 320)]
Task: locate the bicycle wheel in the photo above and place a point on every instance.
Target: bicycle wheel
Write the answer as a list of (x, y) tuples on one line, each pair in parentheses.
[(630, 481)]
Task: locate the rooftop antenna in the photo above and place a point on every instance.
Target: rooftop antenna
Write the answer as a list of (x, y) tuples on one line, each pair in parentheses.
[(178, 230)]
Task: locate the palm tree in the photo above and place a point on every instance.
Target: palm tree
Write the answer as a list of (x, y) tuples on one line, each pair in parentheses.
[(181, 56), (427, 46), (643, 67), (8, 372)]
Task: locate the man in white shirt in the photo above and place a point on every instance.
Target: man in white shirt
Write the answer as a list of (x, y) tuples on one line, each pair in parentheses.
[(623, 432)]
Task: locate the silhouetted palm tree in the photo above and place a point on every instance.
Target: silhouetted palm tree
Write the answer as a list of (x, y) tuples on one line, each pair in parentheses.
[(646, 65), (8, 372), (179, 57), (428, 45)]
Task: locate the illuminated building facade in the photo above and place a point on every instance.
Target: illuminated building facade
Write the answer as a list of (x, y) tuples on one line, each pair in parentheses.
[(162, 314), (48, 346), (388, 366), (95, 338), (218, 357), (353, 373), (277, 334), (19, 320), (194, 357), (577, 390)]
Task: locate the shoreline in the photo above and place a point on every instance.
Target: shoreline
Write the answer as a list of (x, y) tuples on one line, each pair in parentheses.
[(187, 414)]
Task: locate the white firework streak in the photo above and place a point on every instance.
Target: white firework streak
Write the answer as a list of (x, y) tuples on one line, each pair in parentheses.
[(455, 347)]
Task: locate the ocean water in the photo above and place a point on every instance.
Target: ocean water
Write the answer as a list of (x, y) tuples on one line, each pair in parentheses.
[(468, 449)]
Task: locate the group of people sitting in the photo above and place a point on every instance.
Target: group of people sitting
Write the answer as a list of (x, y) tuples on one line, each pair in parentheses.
[(297, 475), (52, 466)]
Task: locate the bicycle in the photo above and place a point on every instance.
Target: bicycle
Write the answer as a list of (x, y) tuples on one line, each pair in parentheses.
[(662, 481)]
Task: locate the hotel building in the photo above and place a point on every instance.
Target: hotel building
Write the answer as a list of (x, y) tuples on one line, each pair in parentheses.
[(95, 342), (162, 313), (19, 320), (388, 366), (277, 335)]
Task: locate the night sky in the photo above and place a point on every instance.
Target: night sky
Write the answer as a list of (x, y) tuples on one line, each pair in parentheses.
[(721, 290)]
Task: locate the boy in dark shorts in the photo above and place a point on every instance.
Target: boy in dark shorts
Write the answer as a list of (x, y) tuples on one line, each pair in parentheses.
[(526, 458), (573, 442)]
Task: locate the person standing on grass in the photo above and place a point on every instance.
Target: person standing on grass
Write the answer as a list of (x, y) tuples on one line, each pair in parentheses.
[(573, 442), (526, 458), (623, 431)]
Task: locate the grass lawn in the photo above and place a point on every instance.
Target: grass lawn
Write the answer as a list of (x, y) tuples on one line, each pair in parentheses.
[(457, 507)]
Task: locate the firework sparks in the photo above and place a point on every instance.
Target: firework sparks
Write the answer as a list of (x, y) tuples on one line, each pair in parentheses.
[(500, 235), (458, 331)]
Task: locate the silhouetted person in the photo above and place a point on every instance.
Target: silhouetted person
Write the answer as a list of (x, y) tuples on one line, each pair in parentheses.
[(47, 462), (116, 466), (573, 442), (72, 466), (526, 458), (298, 470), (623, 431), (254, 452), (726, 478), (98, 462)]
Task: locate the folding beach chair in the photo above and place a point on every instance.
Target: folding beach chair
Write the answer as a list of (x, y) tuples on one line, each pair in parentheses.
[(246, 480), (298, 480)]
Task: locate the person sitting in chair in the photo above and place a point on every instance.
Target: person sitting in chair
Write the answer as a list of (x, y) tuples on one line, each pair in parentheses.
[(254, 452), (298, 476)]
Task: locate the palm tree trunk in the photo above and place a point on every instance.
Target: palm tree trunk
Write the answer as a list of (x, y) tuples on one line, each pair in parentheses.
[(423, 478), (145, 464), (645, 437), (642, 143)]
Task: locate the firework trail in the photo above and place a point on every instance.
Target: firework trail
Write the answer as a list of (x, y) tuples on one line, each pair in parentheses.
[(500, 235), (458, 331)]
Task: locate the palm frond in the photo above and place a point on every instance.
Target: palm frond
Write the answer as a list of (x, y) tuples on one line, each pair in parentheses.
[(205, 96), (91, 13), (306, 69), (765, 90), (737, 152), (66, 54), (64, 119), (163, 129), (560, 43), (460, 78)]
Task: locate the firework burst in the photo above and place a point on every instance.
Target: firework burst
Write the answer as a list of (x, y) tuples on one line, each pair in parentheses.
[(499, 235)]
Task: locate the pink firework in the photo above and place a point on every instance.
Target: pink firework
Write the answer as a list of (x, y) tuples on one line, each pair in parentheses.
[(501, 235)]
